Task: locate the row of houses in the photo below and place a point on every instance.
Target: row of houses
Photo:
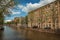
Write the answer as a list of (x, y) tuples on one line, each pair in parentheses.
[(21, 21), (47, 16)]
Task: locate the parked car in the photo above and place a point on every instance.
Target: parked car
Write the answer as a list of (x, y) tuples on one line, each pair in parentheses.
[(35, 27), (47, 28)]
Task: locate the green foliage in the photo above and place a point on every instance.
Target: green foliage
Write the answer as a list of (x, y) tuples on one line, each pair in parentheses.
[(16, 2), (1, 19), (26, 19), (4, 9)]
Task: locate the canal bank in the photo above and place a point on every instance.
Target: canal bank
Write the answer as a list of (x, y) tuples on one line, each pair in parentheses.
[(44, 30), (36, 35), (37, 29)]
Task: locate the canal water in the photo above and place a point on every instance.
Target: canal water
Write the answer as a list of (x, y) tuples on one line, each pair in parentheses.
[(21, 34)]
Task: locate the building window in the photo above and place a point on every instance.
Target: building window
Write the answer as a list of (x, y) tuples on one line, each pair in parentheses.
[(48, 5), (59, 2), (56, 20), (49, 21), (49, 25), (55, 3)]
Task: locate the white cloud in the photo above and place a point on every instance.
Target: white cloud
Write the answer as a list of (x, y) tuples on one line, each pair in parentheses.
[(30, 6), (21, 6), (14, 12), (7, 21)]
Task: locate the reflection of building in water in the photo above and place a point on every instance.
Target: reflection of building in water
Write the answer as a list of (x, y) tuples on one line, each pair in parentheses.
[(47, 16), (1, 35)]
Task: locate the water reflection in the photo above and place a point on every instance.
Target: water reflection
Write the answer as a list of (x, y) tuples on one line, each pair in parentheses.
[(1, 35), (21, 34), (35, 35)]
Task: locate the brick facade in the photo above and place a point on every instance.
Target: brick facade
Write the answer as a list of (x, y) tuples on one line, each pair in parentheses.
[(46, 16)]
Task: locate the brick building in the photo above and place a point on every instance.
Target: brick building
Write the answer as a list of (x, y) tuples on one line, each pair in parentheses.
[(47, 16)]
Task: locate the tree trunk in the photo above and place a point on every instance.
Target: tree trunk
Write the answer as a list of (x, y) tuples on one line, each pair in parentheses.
[(31, 24), (1, 21)]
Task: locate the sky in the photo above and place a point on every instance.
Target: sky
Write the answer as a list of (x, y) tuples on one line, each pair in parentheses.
[(25, 6)]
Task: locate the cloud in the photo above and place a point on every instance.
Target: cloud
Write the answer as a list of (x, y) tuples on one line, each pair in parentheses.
[(29, 6), (7, 21), (16, 12), (13, 11)]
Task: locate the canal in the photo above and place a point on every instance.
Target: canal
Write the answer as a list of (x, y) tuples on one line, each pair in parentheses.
[(21, 34)]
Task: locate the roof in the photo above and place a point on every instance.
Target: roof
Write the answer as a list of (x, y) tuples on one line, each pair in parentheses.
[(43, 6)]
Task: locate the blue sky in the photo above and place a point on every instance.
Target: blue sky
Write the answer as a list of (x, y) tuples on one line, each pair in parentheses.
[(25, 6)]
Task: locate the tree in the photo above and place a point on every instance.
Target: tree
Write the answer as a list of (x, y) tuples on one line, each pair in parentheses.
[(31, 18), (26, 20), (4, 9), (41, 18)]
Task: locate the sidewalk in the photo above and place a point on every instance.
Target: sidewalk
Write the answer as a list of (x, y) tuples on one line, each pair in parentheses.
[(41, 30), (36, 29)]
